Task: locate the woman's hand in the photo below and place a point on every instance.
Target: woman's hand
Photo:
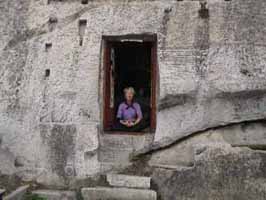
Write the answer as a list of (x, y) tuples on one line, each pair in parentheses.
[(134, 123), (126, 123), (129, 123), (137, 121)]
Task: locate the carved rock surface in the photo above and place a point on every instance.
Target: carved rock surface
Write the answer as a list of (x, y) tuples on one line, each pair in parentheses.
[(216, 175), (119, 180), (103, 193), (211, 73), (218, 170)]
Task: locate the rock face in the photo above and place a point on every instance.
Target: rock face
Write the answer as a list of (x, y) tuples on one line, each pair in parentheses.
[(218, 174), (216, 169), (211, 61)]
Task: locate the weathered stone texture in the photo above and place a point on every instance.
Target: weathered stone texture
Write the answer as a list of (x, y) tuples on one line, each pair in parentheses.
[(219, 173), (120, 180), (215, 170), (55, 195), (211, 73), (103, 193)]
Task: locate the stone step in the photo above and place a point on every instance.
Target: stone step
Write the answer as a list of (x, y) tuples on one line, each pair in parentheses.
[(104, 193), (55, 194), (119, 180)]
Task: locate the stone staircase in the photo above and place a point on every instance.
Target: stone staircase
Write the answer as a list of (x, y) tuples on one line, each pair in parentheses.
[(114, 156), (55, 195), (122, 187), (115, 150), (117, 187)]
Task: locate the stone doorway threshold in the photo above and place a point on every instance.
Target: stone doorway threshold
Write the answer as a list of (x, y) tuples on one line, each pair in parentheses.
[(127, 133), (116, 149)]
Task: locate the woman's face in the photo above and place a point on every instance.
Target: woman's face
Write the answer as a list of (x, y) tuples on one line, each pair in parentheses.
[(129, 96)]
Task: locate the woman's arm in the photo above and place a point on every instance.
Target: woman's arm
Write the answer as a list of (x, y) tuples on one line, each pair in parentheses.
[(139, 114), (137, 121), (119, 115)]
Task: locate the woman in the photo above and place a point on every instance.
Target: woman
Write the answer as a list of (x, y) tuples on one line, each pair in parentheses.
[(129, 113)]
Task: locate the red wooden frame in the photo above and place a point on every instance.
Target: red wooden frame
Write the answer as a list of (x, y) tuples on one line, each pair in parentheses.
[(107, 111), (107, 56), (154, 78)]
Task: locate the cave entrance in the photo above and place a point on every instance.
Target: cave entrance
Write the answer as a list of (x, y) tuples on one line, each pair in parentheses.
[(130, 61)]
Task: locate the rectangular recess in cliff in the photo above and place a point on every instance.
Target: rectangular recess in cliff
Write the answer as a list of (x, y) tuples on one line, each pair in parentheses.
[(48, 46), (130, 61), (84, 1), (49, 1), (82, 29), (47, 73)]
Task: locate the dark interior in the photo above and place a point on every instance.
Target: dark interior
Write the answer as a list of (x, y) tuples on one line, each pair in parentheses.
[(132, 61)]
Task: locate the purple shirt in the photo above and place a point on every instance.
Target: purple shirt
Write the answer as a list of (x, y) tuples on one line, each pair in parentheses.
[(129, 112)]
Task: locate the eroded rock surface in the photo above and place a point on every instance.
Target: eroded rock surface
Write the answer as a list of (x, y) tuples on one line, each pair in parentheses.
[(221, 165), (211, 73), (219, 173)]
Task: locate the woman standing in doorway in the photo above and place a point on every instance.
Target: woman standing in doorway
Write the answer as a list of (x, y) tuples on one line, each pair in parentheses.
[(129, 114)]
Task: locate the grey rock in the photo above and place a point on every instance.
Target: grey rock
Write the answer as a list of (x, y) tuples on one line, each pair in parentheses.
[(220, 171), (113, 167), (200, 150), (120, 180), (178, 155), (7, 159), (115, 150), (245, 134), (56, 194), (128, 142), (182, 154), (114, 155), (103, 193), (218, 175), (211, 73)]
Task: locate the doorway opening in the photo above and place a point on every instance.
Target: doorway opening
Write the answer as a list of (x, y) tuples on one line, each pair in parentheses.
[(130, 62)]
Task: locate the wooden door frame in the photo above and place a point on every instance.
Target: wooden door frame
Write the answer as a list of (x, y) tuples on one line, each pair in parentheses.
[(108, 40)]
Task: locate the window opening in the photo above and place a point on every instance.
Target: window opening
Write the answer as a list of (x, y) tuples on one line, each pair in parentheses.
[(84, 1), (130, 63), (48, 46), (47, 73), (82, 29)]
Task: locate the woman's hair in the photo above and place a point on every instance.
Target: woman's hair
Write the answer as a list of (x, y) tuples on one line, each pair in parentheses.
[(129, 89)]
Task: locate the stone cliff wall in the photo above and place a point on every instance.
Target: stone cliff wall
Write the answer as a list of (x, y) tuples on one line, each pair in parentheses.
[(212, 73)]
